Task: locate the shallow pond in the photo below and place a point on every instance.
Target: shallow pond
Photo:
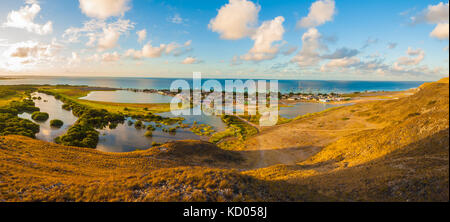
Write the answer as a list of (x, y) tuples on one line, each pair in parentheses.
[(51, 106), (126, 96), (212, 120), (124, 137)]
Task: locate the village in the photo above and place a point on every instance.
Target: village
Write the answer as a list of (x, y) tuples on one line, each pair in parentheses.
[(289, 97)]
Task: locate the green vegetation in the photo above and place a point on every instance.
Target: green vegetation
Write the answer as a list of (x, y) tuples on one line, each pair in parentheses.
[(39, 116), (202, 129), (235, 128), (148, 133), (79, 135), (403, 157), (139, 124), (94, 115), (83, 133), (151, 128), (11, 99), (10, 124), (56, 123)]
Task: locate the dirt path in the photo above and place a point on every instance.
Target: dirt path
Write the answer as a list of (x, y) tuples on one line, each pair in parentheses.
[(296, 141), (249, 123)]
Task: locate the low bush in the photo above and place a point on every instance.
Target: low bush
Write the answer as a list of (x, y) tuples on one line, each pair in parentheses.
[(10, 124), (79, 135), (39, 116), (56, 123)]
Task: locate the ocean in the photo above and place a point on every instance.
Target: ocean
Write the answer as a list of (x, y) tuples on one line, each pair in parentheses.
[(285, 86)]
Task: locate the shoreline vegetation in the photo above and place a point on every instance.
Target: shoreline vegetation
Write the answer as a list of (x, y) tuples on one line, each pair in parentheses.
[(110, 114), (393, 148), (91, 117)]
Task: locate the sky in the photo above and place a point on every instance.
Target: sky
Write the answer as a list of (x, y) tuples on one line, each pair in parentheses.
[(284, 39)]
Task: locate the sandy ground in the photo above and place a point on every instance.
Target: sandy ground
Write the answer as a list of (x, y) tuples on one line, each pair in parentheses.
[(296, 141)]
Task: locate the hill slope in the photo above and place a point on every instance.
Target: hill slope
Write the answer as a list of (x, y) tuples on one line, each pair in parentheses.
[(33, 170), (396, 150), (407, 160)]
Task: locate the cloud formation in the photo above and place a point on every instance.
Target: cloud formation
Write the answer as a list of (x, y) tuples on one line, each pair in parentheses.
[(320, 12), (341, 53), (268, 33), (150, 51), (30, 53), (414, 58), (236, 19), (99, 33), (392, 45), (440, 31), (103, 9), (24, 19), (435, 14), (142, 35), (110, 57), (190, 60), (312, 45)]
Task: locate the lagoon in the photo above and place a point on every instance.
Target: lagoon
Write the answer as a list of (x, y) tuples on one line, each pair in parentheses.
[(127, 96), (53, 107)]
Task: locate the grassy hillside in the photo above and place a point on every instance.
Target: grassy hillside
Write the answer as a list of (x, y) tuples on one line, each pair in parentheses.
[(32, 170), (394, 150), (407, 160)]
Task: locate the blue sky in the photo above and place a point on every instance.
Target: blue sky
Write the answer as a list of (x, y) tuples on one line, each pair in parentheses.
[(344, 39)]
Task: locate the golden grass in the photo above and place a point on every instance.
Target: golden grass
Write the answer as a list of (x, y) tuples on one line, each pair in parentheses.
[(33, 170), (406, 159), (395, 150)]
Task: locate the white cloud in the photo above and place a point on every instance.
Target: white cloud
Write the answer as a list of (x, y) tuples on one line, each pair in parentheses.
[(109, 39), (190, 60), (236, 19), (24, 19), (340, 63), (142, 35), (435, 14), (30, 53), (441, 31), (150, 51), (103, 9), (110, 57), (98, 31), (268, 33), (414, 58), (320, 12), (309, 55)]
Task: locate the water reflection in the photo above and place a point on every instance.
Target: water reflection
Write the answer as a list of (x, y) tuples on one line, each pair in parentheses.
[(212, 120), (125, 138), (125, 96), (51, 106)]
